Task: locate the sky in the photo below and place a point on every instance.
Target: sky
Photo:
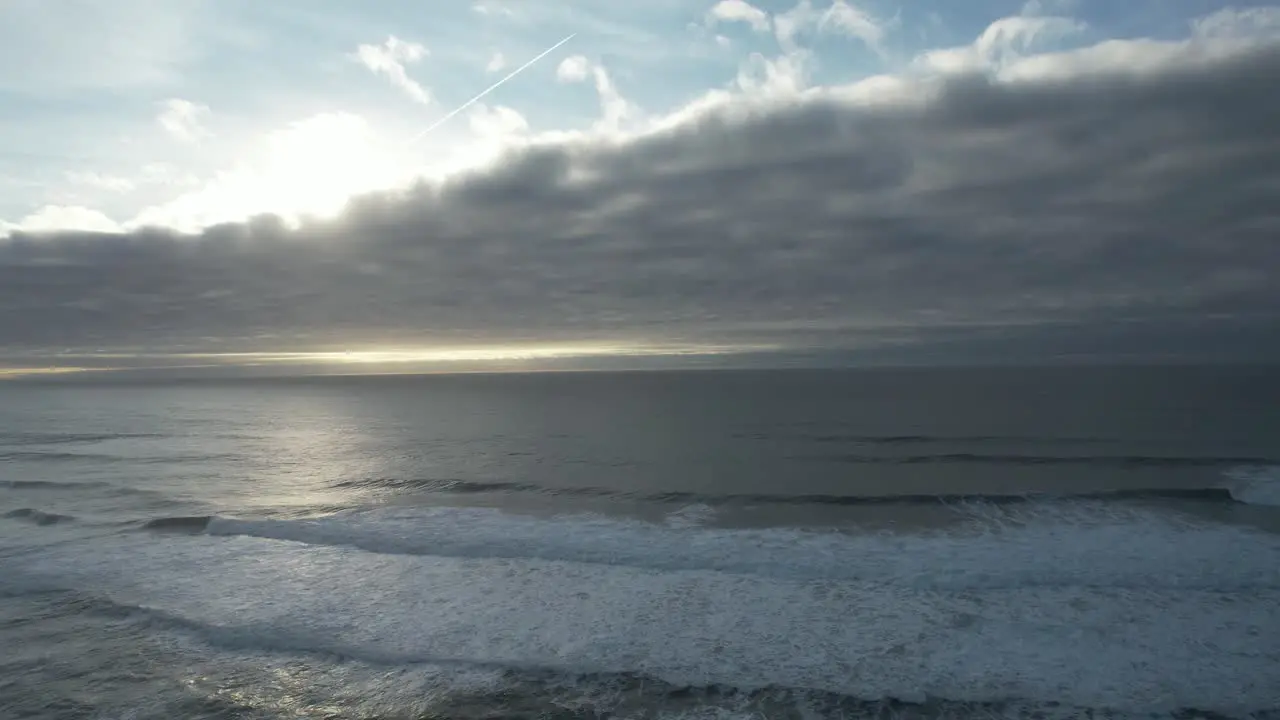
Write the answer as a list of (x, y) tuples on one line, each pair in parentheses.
[(194, 183)]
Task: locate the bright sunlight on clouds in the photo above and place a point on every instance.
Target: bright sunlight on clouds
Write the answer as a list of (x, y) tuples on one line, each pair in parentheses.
[(308, 168)]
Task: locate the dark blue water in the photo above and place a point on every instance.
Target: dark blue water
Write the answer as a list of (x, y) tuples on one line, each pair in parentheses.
[(914, 543)]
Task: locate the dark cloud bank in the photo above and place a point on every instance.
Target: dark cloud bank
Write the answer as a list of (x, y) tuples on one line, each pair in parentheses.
[(1121, 214)]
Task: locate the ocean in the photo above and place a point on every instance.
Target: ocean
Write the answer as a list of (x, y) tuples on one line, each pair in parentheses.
[(914, 543)]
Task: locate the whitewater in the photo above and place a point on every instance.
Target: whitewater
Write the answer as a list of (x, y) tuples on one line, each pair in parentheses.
[(310, 559)]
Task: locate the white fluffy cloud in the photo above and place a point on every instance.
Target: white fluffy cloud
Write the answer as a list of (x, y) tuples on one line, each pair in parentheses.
[(574, 68), (739, 11), (844, 17), (494, 9), (67, 218), (390, 59), (183, 119), (497, 122), (308, 167), (617, 112), (1258, 22), (496, 63), (841, 17), (1003, 43), (782, 77)]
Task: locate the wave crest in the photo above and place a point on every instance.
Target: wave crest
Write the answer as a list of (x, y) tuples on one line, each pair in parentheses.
[(466, 487), (191, 524), (1117, 461), (1049, 544), (1258, 485), (39, 517)]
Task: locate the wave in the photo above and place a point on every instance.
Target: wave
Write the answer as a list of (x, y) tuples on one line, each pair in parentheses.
[(39, 438), (463, 487), (39, 517), (873, 439), (447, 485), (1050, 544), (179, 524), (1120, 461), (49, 485), (475, 687), (1255, 485), (100, 458), (69, 486), (1210, 494), (520, 689), (58, 457), (1076, 603)]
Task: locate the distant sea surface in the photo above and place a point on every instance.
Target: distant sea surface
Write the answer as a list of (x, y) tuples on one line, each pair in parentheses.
[(918, 543)]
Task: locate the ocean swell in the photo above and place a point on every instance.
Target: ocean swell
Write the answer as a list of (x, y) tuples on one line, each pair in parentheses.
[(1048, 544)]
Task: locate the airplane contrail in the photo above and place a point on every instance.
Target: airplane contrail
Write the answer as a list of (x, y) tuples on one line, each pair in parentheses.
[(489, 89)]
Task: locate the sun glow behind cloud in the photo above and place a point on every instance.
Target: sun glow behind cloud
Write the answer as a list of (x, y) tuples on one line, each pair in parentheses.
[(448, 354), (377, 360), (312, 167), (14, 373), (308, 169)]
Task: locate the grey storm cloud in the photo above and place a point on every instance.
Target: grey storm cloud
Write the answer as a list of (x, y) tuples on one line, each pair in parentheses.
[(1134, 198)]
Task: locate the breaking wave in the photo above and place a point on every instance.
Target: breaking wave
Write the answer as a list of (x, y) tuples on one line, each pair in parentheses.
[(461, 687), (50, 485), (42, 438), (39, 517), (179, 524), (1255, 485), (56, 457), (873, 439), (1051, 544), (1051, 605), (1224, 493), (1116, 461)]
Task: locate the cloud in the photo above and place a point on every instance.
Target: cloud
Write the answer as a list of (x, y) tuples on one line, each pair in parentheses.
[(1049, 7), (390, 60), (616, 111), (852, 21), (183, 120), (110, 183), (493, 9), (784, 76), (307, 167), (496, 123), (64, 218), (1005, 42), (574, 68), (841, 17), (729, 11), (496, 63), (1065, 203), (1258, 22)]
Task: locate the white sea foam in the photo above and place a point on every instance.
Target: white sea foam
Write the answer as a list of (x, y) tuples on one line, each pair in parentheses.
[(691, 516), (1136, 613), (1257, 485), (1057, 544)]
